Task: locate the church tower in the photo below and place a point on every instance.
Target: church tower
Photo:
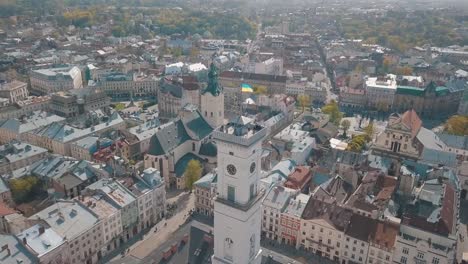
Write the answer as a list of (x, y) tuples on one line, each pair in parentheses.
[(212, 100), (237, 207)]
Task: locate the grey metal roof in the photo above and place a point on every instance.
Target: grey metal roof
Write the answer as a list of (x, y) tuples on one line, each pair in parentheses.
[(207, 180), (15, 151), (430, 140), (454, 141), (3, 186), (68, 218), (115, 191), (36, 120), (15, 252), (43, 243)]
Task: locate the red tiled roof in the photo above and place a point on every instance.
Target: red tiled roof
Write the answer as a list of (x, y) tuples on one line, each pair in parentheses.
[(447, 213), (5, 209), (299, 178), (411, 119), (384, 234)]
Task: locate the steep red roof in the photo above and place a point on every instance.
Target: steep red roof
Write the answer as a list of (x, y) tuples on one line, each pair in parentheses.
[(447, 213), (411, 119), (5, 209), (384, 234), (299, 178)]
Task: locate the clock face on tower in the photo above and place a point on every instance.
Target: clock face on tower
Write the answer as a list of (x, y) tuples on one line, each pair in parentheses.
[(252, 167), (231, 169)]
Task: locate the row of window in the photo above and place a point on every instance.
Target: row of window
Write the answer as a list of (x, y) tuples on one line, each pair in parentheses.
[(420, 255)]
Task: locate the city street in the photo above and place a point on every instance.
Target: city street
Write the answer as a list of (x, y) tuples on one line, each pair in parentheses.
[(462, 242), (165, 229)]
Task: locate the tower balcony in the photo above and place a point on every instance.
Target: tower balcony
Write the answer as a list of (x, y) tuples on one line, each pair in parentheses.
[(241, 135), (242, 207)]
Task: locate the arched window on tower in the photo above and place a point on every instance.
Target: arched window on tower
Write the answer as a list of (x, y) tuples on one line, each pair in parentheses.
[(228, 246), (252, 246)]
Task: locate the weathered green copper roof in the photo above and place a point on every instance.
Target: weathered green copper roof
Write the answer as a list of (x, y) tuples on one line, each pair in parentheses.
[(441, 90), (213, 86), (208, 149), (198, 125), (417, 91), (410, 90)]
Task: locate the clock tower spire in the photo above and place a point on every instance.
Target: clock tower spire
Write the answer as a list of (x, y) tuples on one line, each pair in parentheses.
[(237, 207)]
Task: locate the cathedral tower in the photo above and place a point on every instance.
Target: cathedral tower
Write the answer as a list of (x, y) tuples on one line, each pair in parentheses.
[(212, 100)]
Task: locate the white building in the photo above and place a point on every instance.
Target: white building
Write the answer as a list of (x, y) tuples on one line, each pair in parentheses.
[(273, 206), (322, 229), (46, 81), (77, 225), (151, 195), (237, 209), (14, 91), (380, 92), (272, 66), (110, 216), (296, 142), (174, 69)]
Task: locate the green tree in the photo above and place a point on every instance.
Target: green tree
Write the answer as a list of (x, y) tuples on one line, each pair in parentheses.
[(333, 111), (25, 189), (457, 125), (260, 89), (357, 143), (192, 173), (369, 131), (345, 124), (119, 106), (304, 101)]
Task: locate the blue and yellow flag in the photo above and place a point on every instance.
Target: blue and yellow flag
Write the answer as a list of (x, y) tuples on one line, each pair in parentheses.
[(246, 88)]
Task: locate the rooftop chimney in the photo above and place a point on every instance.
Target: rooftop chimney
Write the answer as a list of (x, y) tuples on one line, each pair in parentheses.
[(25, 241), (41, 230)]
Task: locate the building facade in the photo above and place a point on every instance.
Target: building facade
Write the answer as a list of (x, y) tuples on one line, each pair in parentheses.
[(46, 81), (237, 208), (14, 91)]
